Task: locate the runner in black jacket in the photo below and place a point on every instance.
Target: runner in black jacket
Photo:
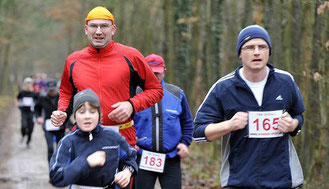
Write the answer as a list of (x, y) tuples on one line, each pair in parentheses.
[(25, 101), (45, 105)]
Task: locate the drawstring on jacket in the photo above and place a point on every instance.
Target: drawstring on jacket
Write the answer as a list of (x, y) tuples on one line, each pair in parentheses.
[(90, 136)]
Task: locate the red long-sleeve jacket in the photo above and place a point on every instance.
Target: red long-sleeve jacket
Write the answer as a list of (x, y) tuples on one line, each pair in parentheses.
[(113, 72)]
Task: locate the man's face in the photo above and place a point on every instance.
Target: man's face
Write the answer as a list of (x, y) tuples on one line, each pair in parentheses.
[(87, 117), (254, 54), (159, 76), (99, 32), (53, 92)]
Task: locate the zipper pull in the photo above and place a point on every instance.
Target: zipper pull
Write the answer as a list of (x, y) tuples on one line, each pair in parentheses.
[(90, 136)]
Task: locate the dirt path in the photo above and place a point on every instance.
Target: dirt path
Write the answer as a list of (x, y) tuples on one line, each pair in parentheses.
[(22, 167)]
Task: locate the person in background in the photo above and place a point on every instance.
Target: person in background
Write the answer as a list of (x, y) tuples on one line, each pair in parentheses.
[(40, 81), (164, 133), (256, 111), (44, 107), (25, 101), (89, 156)]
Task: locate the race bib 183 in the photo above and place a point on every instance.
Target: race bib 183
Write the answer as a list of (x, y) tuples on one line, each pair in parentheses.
[(264, 124), (152, 161)]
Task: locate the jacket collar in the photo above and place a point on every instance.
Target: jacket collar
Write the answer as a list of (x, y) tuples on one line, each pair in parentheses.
[(97, 129), (108, 48), (162, 84), (240, 82)]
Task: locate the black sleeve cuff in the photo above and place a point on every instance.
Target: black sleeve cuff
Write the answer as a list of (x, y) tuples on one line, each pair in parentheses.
[(132, 105)]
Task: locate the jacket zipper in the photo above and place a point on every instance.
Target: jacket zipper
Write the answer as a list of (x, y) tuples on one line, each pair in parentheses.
[(99, 78), (157, 127)]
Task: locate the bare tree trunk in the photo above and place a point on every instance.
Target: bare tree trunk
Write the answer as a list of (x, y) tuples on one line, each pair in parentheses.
[(216, 29), (315, 144), (182, 33), (229, 60), (7, 33), (5, 70), (168, 43), (303, 143), (295, 38)]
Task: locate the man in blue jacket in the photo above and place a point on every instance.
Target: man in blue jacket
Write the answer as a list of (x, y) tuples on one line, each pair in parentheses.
[(164, 133), (255, 110)]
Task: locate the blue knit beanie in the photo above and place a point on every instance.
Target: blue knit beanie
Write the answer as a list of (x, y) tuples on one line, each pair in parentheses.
[(251, 32)]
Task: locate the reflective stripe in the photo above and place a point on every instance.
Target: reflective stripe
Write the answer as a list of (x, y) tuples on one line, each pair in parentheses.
[(157, 125), (122, 126)]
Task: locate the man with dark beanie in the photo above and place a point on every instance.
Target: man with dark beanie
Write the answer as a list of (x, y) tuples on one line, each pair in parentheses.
[(255, 110), (89, 156)]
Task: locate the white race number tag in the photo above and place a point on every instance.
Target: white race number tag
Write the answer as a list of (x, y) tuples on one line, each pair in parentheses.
[(264, 124), (50, 127), (27, 101), (114, 128), (152, 161)]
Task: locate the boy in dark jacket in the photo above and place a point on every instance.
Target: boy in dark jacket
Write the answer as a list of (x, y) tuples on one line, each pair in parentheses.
[(91, 154)]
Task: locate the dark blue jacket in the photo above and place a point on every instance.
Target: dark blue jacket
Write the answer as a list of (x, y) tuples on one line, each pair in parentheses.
[(254, 162), (175, 123), (69, 165)]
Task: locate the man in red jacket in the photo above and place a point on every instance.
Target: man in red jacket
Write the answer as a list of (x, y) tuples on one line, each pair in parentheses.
[(113, 71)]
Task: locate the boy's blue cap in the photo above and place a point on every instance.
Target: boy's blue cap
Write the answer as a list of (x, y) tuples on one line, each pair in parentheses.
[(252, 32)]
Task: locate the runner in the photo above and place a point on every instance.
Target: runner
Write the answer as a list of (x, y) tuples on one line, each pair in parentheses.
[(164, 132), (25, 101), (113, 71), (45, 105), (255, 110)]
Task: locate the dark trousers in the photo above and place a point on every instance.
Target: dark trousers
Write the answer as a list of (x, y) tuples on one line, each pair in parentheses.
[(27, 125), (53, 137), (171, 178)]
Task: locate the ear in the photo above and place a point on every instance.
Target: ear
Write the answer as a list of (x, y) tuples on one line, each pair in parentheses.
[(86, 29), (114, 28)]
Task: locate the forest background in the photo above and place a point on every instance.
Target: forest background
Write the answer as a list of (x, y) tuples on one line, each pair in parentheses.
[(197, 39)]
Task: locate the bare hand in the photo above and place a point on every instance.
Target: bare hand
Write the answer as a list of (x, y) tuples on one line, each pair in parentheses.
[(239, 121), (58, 117), (182, 150), (286, 123), (122, 112), (123, 178), (96, 159)]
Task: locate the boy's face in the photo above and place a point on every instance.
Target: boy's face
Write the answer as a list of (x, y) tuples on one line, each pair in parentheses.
[(87, 117)]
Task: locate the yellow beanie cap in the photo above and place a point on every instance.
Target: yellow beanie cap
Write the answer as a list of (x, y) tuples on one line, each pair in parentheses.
[(100, 13)]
